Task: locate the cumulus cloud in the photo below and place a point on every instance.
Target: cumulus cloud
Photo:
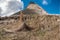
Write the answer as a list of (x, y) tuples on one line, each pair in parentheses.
[(44, 2), (9, 7)]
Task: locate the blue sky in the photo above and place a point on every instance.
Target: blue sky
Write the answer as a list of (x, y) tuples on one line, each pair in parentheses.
[(50, 6)]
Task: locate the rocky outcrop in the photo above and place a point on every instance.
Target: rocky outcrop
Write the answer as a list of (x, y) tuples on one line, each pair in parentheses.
[(37, 9)]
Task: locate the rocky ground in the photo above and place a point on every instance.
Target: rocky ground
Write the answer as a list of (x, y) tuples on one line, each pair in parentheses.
[(36, 27)]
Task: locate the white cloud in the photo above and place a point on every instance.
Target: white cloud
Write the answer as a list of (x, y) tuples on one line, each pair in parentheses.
[(9, 7), (44, 2)]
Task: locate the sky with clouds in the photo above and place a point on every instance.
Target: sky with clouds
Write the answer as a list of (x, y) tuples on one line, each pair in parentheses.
[(44, 2), (9, 7)]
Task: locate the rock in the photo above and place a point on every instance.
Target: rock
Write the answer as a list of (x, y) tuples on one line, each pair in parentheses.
[(37, 9)]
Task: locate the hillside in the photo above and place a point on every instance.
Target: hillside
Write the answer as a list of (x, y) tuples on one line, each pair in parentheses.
[(39, 27), (31, 26)]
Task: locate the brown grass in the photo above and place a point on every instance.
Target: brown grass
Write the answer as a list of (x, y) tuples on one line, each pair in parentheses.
[(43, 27)]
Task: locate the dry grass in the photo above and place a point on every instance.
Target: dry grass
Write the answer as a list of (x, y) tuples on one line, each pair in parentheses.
[(44, 27)]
